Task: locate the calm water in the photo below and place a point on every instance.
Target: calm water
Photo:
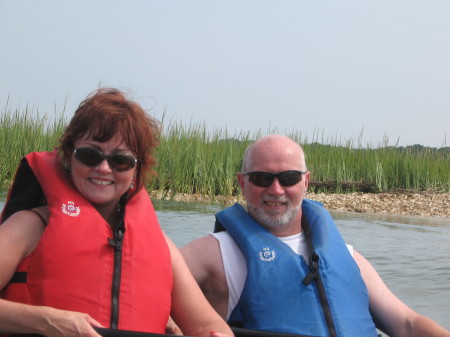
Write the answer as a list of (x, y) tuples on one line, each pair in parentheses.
[(411, 254)]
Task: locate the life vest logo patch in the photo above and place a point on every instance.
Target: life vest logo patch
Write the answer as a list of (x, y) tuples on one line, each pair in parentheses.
[(267, 255), (70, 209)]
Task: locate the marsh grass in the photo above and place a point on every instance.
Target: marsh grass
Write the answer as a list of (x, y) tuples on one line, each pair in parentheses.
[(21, 132), (192, 160), (195, 160), (387, 167)]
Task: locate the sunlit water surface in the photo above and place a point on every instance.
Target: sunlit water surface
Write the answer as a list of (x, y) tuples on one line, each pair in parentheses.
[(412, 254)]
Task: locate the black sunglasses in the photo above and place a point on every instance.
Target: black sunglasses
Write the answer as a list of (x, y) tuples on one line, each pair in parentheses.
[(118, 161), (265, 179)]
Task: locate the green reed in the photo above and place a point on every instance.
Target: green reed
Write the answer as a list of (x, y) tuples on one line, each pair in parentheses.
[(194, 159), (387, 167), (21, 132)]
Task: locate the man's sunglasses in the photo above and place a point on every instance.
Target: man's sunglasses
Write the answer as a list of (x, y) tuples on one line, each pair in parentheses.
[(265, 179), (118, 161)]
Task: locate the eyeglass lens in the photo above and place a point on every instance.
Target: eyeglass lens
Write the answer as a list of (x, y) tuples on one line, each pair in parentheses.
[(265, 179), (117, 161)]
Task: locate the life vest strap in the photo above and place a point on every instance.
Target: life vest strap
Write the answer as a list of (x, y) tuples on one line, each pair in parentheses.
[(19, 277)]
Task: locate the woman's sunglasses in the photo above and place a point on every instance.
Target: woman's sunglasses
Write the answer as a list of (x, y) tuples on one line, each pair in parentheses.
[(265, 179), (118, 161)]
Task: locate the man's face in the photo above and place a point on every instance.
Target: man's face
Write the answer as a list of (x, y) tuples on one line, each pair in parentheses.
[(275, 207)]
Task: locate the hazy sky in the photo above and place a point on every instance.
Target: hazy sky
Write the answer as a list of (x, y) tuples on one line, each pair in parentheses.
[(333, 68)]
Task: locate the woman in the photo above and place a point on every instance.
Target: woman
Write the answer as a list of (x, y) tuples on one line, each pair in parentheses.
[(80, 245)]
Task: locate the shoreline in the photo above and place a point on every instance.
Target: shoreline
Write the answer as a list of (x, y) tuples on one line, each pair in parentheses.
[(410, 203)]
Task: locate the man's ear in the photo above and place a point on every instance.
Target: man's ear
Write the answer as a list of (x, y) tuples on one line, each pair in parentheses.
[(307, 176), (240, 179)]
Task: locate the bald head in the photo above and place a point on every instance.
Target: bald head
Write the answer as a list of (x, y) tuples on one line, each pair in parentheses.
[(273, 148)]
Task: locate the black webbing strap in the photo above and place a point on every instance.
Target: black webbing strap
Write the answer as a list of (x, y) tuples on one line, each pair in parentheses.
[(19, 277)]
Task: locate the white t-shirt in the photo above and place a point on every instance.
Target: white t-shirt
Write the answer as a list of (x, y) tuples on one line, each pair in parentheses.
[(235, 264)]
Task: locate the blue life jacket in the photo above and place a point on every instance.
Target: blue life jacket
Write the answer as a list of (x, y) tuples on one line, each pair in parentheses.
[(283, 294)]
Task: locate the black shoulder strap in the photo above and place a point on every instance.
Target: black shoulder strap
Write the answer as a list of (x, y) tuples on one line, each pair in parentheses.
[(306, 228), (218, 227), (312, 255), (19, 277)]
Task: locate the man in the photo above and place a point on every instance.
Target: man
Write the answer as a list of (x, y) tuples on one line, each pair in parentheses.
[(282, 265)]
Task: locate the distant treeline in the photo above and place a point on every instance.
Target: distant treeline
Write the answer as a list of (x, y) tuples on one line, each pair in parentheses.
[(192, 159), (420, 148)]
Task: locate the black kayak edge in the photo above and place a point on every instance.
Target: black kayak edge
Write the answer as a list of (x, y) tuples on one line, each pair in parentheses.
[(238, 332)]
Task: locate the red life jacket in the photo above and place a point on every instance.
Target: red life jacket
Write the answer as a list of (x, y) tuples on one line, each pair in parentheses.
[(73, 265)]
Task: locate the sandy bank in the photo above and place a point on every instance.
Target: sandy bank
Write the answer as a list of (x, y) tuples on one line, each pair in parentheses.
[(403, 203)]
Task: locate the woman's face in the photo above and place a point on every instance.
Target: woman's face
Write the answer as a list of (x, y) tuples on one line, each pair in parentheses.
[(102, 185)]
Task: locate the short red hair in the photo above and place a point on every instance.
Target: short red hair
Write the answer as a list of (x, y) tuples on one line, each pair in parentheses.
[(107, 112)]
